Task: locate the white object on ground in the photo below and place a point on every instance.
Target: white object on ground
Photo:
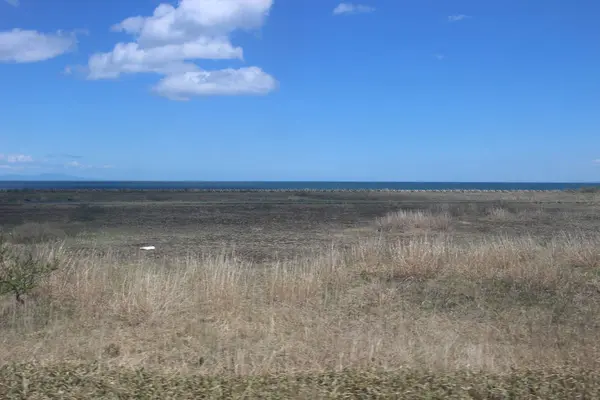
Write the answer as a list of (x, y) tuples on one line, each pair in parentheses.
[(147, 248)]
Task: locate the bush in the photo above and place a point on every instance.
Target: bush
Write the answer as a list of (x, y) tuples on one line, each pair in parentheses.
[(20, 272)]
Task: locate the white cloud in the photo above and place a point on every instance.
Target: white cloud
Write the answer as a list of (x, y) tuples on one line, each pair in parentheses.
[(23, 46), (14, 3), (170, 41), (243, 81), (439, 56), (596, 161), (349, 8), (457, 17), (165, 59), (16, 158), (196, 18)]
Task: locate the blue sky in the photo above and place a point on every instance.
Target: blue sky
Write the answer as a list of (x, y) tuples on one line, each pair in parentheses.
[(384, 90)]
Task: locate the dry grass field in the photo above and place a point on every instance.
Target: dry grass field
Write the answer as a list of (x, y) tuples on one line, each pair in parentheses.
[(305, 295)]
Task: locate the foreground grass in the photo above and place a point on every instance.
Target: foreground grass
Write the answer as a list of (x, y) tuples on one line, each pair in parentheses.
[(92, 381), (422, 302), (507, 312)]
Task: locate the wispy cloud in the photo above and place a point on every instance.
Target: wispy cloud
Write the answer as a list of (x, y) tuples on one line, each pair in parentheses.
[(15, 162), (63, 155), (77, 165), (458, 17), (14, 3), (19, 158), (350, 8), (49, 163), (11, 167), (16, 158), (596, 161), (439, 56)]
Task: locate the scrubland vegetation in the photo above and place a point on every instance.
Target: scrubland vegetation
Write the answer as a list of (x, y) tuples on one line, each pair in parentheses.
[(419, 304)]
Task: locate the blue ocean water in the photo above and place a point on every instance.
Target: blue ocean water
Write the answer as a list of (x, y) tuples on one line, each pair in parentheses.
[(149, 185)]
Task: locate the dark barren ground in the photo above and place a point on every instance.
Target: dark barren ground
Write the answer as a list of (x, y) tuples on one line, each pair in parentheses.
[(261, 226)]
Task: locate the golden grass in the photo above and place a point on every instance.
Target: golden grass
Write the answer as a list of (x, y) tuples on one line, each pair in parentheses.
[(500, 214), (424, 302), (414, 220)]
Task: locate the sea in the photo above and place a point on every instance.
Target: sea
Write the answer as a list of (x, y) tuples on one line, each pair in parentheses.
[(294, 185)]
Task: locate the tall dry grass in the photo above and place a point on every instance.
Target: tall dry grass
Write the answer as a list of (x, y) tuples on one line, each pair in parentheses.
[(414, 220), (424, 302)]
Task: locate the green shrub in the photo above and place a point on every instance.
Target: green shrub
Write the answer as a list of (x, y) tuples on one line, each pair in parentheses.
[(21, 271)]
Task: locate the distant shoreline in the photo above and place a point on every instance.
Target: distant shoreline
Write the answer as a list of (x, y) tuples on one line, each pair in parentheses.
[(590, 189), (295, 186)]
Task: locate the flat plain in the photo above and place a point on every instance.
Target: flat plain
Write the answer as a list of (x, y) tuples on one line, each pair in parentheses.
[(278, 290)]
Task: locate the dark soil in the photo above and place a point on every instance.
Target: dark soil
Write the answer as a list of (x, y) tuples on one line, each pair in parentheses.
[(260, 225)]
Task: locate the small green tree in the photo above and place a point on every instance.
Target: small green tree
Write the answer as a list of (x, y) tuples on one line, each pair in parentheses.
[(20, 272)]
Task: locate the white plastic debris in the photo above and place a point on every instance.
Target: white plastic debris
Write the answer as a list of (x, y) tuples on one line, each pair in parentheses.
[(147, 248)]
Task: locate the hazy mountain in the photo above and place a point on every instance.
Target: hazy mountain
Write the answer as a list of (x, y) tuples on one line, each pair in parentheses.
[(42, 177)]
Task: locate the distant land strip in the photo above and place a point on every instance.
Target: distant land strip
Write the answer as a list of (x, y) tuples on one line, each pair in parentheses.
[(299, 190)]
